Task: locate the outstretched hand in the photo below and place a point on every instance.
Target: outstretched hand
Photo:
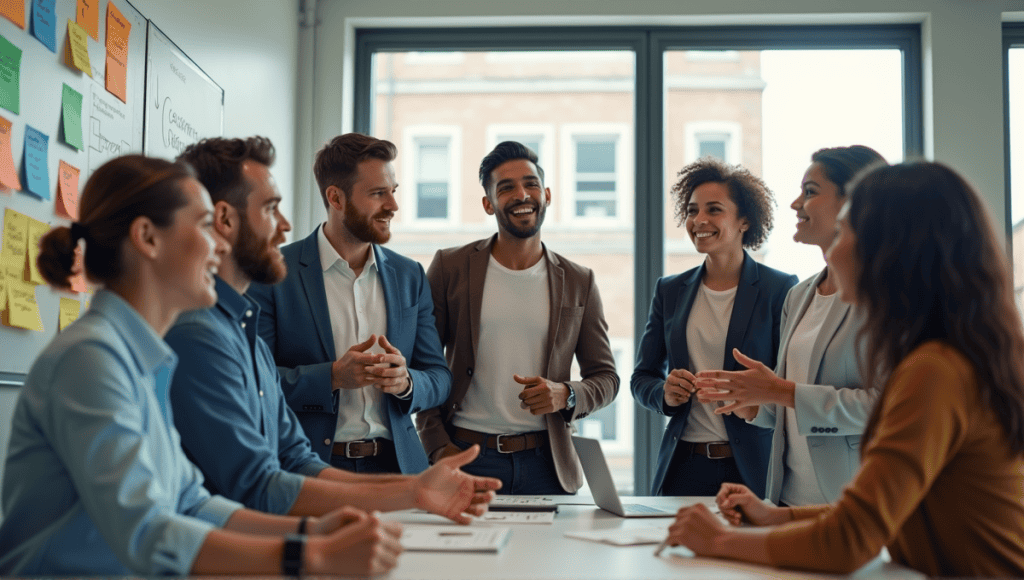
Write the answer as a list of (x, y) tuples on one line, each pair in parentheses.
[(755, 386), (446, 490)]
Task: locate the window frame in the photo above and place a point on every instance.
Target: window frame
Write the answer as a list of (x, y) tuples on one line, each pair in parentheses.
[(410, 195), (649, 44), (733, 149), (571, 134)]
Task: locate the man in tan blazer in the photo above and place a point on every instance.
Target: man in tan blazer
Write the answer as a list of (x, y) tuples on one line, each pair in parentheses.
[(511, 315)]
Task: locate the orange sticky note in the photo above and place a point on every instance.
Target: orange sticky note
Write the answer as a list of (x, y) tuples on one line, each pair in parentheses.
[(36, 231), (22, 309), (70, 309), (13, 10), (8, 174), (88, 17), (15, 234), (77, 53), (118, 29), (67, 191)]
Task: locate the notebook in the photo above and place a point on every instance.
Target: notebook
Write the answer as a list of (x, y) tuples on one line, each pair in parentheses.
[(595, 468)]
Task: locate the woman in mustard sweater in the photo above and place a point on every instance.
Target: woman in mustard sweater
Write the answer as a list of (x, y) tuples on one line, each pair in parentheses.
[(942, 463)]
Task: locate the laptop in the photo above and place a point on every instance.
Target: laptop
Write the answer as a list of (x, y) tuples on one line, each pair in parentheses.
[(601, 485)]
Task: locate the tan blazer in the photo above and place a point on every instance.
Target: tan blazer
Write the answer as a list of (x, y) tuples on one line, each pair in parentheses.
[(577, 327)]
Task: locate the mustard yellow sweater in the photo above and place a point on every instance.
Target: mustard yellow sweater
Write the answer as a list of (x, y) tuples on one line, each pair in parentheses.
[(938, 484)]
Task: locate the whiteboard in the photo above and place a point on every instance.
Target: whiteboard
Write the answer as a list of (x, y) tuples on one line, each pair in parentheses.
[(183, 104)]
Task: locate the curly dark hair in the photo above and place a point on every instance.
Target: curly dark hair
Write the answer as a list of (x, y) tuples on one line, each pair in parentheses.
[(931, 267), (751, 195)]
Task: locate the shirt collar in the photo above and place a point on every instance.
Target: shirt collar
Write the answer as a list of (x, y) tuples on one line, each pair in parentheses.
[(235, 305), (329, 256), (149, 350)]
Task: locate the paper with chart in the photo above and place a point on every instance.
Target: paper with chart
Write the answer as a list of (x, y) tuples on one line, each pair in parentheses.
[(417, 538), (517, 518)]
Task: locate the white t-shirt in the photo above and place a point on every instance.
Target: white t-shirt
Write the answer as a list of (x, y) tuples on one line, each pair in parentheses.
[(706, 330), (799, 482), (513, 339), (357, 309)]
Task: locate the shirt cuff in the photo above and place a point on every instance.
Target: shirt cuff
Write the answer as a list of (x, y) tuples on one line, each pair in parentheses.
[(406, 394), (217, 510), (312, 469), (176, 550), (282, 490)]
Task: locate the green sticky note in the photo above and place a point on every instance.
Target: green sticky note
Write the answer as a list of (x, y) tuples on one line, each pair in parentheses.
[(72, 100), (10, 76)]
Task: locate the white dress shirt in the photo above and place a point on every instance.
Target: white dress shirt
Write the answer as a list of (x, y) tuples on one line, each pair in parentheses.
[(357, 310)]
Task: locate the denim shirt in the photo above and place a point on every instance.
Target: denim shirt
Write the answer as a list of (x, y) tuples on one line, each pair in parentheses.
[(230, 410), (95, 480)]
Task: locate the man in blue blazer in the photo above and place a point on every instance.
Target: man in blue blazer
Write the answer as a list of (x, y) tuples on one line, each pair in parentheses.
[(352, 327)]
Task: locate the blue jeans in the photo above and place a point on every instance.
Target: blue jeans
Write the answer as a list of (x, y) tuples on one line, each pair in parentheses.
[(530, 472), (386, 462)]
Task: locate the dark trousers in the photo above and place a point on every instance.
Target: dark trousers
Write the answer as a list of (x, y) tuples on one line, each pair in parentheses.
[(530, 472), (694, 474), (386, 462)]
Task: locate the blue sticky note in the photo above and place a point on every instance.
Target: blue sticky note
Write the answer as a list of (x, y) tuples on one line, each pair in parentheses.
[(44, 23), (36, 173)]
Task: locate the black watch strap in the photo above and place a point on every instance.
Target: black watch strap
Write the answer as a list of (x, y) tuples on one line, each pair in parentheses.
[(291, 561)]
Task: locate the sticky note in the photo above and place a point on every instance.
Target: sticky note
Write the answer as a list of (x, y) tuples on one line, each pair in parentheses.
[(78, 280), (77, 53), (13, 10), (36, 231), (67, 191), (15, 234), (72, 105), (22, 309), (88, 17), (8, 174), (44, 23), (36, 145), (69, 312), (10, 76), (118, 30)]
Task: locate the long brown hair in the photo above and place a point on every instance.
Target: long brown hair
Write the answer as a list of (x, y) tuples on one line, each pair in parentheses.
[(121, 190), (932, 268)]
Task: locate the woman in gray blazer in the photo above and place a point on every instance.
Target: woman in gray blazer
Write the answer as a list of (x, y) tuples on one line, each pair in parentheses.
[(815, 399)]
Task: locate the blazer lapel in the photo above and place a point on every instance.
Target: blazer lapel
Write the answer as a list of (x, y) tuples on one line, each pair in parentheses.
[(833, 320), (794, 318), (388, 281), (478, 261), (312, 276), (746, 296), (678, 355), (556, 287)]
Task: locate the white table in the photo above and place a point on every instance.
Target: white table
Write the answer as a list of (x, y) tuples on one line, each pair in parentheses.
[(542, 552)]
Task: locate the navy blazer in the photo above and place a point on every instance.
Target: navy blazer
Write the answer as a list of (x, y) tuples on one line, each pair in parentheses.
[(753, 328), (296, 325)]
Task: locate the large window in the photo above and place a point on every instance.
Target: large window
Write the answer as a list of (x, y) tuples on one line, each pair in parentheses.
[(613, 115)]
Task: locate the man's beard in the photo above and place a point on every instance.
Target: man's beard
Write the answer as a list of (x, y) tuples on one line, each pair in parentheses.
[(361, 226), (505, 219), (256, 257)]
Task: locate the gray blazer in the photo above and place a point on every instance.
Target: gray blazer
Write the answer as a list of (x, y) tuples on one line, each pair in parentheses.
[(831, 412)]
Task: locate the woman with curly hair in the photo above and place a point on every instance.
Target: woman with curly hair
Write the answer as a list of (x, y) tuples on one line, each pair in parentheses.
[(814, 399), (942, 463), (696, 320)]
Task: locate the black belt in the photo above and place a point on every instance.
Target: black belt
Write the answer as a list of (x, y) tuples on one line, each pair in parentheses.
[(511, 443), (709, 450), (363, 448)]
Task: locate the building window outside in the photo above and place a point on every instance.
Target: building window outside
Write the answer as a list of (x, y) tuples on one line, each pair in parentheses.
[(594, 167), (431, 194), (718, 139), (537, 136)]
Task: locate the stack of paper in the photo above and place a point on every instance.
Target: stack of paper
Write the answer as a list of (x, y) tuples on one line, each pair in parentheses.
[(416, 538)]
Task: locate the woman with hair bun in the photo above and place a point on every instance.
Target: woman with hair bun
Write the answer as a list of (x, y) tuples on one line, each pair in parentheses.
[(95, 481), (815, 399), (942, 459)]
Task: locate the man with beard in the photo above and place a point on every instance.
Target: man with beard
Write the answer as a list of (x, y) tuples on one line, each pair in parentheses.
[(352, 325), (226, 397), (511, 315)]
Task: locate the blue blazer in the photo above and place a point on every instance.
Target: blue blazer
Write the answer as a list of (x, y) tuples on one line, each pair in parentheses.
[(296, 325), (753, 328)]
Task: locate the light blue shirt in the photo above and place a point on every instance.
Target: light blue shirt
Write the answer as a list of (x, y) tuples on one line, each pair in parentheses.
[(228, 405), (96, 481)]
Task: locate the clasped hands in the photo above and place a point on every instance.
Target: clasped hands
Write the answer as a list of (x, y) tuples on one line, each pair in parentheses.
[(741, 392), (358, 368)]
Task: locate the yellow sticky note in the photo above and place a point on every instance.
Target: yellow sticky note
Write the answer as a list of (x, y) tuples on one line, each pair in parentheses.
[(77, 53), (3, 291), (69, 311), (15, 233), (22, 310), (36, 231)]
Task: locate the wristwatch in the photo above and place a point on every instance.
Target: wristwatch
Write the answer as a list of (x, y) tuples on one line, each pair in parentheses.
[(291, 560), (570, 403)]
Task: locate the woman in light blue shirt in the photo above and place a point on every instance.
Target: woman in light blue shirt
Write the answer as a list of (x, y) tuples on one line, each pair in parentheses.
[(95, 479)]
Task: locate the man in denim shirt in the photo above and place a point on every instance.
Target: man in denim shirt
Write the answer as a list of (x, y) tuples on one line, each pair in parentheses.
[(226, 396)]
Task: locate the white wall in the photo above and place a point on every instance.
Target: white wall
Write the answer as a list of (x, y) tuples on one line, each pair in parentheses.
[(962, 41), (251, 48)]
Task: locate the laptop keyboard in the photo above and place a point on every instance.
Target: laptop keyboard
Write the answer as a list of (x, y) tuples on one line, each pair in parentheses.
[(636, 508)]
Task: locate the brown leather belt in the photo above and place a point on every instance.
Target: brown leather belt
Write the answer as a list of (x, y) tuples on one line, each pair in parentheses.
[(363, 448), (709, 450), (512, 443)]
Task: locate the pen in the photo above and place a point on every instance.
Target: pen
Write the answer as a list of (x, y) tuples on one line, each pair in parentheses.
[(661, 547)]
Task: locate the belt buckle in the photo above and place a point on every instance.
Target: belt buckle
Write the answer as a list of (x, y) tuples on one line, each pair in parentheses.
[(707, 451), (497, 442), (348, 446)]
